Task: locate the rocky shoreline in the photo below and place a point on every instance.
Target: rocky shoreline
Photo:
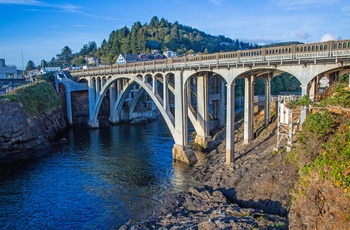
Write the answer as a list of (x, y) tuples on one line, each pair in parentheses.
[(20, 132), (252, 193)]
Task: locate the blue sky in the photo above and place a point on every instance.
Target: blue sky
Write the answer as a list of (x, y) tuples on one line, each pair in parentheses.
[(41, 28)]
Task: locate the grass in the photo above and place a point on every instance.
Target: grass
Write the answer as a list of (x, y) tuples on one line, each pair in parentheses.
[(36, 99)]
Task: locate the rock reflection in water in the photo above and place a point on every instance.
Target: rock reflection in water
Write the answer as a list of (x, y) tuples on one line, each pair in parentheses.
[(96, 179)]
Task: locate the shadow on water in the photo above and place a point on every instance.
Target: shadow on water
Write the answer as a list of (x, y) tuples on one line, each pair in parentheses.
[(96, 179)]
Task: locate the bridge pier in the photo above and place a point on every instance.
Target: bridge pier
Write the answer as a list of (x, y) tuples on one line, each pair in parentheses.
[(184, 154), (203, 137), (303, 111), (181, 150), (230, 123), (94, 124), (248, 109), (267, 109), (69, 107)]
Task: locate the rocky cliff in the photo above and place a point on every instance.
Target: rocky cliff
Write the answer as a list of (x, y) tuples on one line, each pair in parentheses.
[(19, 132)]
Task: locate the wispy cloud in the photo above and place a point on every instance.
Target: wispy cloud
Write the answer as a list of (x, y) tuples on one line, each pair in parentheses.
[(62, 7), (22, 2), (302, 4), (216, 2)]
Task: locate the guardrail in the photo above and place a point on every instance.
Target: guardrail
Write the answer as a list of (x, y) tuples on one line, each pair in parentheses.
[(320, 50)]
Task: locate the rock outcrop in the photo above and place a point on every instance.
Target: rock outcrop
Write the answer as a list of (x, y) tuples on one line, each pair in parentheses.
[(19, 132), (252, 193)]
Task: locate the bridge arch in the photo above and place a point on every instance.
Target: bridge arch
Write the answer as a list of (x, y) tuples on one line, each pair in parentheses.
[(132, 79)]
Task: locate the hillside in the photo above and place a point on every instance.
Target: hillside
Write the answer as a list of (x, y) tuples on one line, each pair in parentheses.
[(157, 34), (163, 35), (321, 199)]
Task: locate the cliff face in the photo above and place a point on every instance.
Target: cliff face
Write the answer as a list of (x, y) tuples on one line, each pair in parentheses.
[(19, 132)]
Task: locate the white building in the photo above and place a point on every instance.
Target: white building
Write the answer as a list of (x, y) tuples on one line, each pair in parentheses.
[(170, 54), (128, 58), (52, 69)]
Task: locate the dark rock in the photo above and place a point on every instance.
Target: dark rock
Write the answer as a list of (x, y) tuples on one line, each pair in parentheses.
[(19, 132), (139, 121)]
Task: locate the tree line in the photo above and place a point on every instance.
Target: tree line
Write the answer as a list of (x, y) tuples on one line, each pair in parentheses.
[(161, 35)]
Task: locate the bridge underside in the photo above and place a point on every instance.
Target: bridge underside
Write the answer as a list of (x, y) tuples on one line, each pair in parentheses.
[(202, 95)]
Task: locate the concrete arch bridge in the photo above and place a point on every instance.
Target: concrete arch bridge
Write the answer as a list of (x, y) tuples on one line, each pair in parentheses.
[(200, 89)]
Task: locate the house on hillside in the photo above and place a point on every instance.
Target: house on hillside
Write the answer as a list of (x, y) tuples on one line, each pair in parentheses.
[(127, 58), (92, 60), (143, 57), (51, 69), (7, 71), (170, 54)]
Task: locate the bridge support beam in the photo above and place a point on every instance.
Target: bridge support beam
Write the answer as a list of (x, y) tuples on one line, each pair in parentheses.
[(92, 123), (181, 150), (313, 89), (203, 110), (112, 100), (303, 112), (267, 110), (69, 107), (221, 114), (248, 109), (230, 123), (166, 93)]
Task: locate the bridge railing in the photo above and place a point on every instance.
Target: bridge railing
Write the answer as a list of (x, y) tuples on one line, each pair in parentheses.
[(291, 52)]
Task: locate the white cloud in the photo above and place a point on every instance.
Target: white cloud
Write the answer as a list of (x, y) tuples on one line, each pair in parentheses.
[(22, 2), (329, 37)]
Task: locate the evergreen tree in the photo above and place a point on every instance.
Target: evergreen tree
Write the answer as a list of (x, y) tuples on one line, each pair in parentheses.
[(30, 65)]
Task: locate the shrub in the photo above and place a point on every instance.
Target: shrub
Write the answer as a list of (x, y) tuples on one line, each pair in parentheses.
[(38, 99)]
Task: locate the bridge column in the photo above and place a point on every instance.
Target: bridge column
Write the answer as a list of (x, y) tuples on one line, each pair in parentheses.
[(114, 118), (221, 114), (92, 123), (69, 107), (154, 85), (203, 109), (303, 111), (166, 93), (112, 101), (267, 112), (230, 123), (248, 109), (313, 88), (181, 150)]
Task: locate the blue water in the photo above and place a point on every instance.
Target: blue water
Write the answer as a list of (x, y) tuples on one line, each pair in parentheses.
[(97, 179)]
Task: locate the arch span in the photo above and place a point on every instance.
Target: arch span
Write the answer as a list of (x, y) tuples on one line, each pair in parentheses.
[(168, 117)]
